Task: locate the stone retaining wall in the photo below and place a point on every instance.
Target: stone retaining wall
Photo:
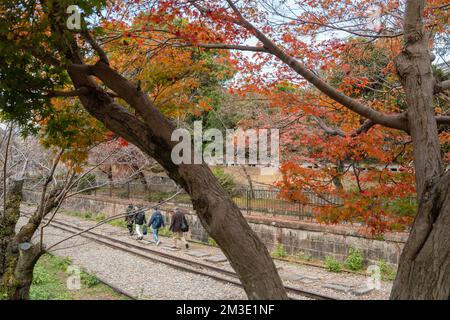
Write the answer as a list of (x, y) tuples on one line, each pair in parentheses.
[(296, 236)]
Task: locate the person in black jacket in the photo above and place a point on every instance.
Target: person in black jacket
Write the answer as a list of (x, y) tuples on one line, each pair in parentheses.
[(129, 218), (178, 226), (139, 220)]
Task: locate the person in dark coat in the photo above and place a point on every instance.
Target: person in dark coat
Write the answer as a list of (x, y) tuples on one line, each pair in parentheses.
[(139, 221), (156, 222), (129, 218), (178, 226)]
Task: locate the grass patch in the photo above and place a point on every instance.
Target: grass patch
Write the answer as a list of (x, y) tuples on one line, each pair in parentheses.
[(332, 264), (280, 251), (306, 256), (96, 217), (212, 242), (165, 232), (47, 283), (387, 272), (118, 223), (50, 283)]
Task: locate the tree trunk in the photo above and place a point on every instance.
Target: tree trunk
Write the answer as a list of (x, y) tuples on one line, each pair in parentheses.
[(9, 219), (337, 179), (219, 215), (16, 265), (18, 277), (18, 255), (140, 176), (249, 180), (424, 268)]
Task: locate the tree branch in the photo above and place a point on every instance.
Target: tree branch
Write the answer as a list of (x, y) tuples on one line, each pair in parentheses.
[(101, 53), (327, 129), (226, 47), (443, 120), (72, 93), (364, 127), (442, 86), (398, 121)]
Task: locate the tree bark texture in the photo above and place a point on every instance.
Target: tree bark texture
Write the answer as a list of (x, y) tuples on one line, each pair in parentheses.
[(424, 268)]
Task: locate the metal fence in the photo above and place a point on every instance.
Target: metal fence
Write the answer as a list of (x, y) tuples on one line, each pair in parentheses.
[(264, 201), (272, 202)]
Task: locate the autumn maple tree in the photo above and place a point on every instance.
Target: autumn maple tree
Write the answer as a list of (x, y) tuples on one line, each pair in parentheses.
[(39, 38), (293, 34), (300, 55)]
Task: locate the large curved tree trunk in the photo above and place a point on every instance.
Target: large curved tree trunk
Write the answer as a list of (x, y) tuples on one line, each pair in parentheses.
[(151, 132), (219, 215), (424, 268)]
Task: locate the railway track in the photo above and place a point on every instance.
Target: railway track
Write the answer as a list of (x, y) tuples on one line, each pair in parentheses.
[(177, 262)]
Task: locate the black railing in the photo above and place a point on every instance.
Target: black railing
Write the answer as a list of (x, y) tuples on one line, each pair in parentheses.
[(254, 201)]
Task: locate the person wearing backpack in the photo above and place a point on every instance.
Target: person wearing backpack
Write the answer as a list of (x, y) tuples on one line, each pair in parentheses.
[(156, 222), (178, 226), (129, 218), (139, 221)]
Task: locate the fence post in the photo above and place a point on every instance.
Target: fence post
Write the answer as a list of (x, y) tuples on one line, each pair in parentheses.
[(110, 189), (128, 190), (247, 201)]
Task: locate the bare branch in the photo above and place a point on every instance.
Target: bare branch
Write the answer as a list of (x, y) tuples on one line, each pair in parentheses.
[(101, 53), (118, 216), (47, 182), (225, 47)]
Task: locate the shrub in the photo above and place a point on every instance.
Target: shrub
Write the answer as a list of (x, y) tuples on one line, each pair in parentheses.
[(386, 271), (332, 264), (354, 260), (280, 251), (89, 280), (212, 242), (165, 232), (87, 215)]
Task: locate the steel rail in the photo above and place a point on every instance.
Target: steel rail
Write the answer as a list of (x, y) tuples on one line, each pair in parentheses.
[(120, 244)]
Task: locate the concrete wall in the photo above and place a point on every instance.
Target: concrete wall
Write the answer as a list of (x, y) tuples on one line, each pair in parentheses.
[(296, 236)]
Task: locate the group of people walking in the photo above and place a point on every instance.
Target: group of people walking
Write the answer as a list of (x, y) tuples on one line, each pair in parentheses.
[(136, 216)]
